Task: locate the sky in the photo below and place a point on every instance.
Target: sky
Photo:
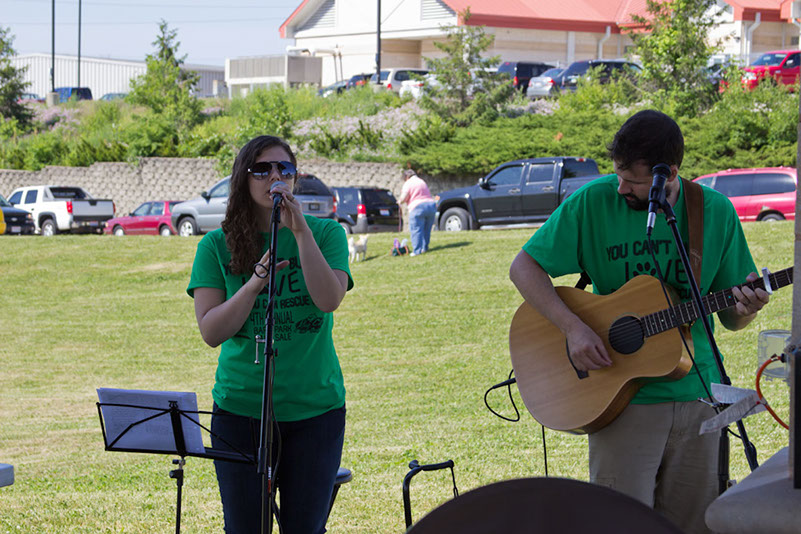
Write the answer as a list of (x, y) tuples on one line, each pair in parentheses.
[(208, 30)]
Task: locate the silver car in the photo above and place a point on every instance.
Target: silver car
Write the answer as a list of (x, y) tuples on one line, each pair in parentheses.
[(546, 84), (206, 212)]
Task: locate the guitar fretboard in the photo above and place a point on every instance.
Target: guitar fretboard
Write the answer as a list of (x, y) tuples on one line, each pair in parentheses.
[(686, 312)]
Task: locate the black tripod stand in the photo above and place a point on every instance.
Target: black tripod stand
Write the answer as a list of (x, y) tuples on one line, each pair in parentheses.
[(700, 310)]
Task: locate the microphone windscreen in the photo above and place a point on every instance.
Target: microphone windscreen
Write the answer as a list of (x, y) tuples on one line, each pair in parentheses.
[(661, 169), (275, 184)]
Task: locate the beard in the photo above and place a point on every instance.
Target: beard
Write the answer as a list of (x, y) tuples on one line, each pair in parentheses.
[(637, 204)]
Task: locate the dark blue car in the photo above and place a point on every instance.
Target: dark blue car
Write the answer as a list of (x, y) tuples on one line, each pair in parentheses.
[(78, 93)]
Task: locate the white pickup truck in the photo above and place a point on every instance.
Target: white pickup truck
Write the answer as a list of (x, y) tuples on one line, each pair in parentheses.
[(63, 208)]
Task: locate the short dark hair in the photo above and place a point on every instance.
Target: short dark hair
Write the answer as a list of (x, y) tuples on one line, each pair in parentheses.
[(649, 136)]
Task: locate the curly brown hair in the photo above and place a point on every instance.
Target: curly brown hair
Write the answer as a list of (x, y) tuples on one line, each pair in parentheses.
[(241, 231)]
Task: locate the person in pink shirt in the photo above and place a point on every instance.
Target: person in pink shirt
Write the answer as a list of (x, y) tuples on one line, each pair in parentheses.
[(422, 210)]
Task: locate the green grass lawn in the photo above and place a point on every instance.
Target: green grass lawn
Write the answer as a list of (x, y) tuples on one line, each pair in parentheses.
[(420, 340)]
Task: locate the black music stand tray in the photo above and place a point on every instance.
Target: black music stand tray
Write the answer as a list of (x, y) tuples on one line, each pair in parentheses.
[(156, 426)]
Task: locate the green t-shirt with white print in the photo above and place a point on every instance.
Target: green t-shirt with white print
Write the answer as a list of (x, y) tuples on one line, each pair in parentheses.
[(308, 379), (595, 231)]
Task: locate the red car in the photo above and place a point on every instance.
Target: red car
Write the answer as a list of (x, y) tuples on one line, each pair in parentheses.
[(781, 65), (152, 218), (766, 194)]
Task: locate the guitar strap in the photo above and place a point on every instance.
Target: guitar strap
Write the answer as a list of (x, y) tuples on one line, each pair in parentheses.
[(694, 204), (583, 280)]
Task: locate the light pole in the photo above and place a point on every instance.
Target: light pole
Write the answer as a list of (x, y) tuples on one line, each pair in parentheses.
[(79, 43), (378, 46), (53, 47)]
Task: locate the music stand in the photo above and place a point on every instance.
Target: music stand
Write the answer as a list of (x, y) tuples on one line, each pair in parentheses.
[(152, 422)]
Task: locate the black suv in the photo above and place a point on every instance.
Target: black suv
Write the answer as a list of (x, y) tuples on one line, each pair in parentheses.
[(206, 212), (608, 69), (522, 71), (367, 209)]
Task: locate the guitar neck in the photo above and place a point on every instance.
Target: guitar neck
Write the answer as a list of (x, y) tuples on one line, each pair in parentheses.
[(686, 312)]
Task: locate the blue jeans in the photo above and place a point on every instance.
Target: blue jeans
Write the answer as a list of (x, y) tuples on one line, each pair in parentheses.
[(311, 450), (421, 219)]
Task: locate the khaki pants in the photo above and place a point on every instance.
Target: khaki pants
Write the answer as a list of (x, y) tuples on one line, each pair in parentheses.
[(653, 452)]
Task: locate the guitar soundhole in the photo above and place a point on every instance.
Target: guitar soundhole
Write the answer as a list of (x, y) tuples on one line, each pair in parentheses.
[(626, 335)]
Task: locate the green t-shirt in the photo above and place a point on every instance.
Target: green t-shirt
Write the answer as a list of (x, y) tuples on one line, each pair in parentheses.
[(308, 380), (595, 231)]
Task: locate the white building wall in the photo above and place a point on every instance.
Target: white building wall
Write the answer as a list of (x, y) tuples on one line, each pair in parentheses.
[(100, 75), (353, 33), (352, 30), (732, 36), (407, 38), (208, 75)]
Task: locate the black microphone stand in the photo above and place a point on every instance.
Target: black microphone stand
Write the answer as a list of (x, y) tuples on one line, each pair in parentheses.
[(750, 450), (265, 466)]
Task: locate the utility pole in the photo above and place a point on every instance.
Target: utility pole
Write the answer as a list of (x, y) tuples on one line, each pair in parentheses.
[(53, 47), (378, 46), (79, 43)]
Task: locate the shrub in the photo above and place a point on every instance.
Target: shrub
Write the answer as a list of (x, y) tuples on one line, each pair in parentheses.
[(744, 129), (263, 112), (152, 134), (44, 149), (430, 129), (329, 144)]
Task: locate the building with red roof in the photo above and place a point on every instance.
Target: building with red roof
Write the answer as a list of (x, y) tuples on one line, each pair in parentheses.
[(343, 32)]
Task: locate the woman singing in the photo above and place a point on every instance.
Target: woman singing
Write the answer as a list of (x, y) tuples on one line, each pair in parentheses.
[(230, 305)]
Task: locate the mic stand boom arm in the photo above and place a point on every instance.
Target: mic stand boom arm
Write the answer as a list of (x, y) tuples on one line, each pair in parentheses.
[(750, 450), (265, 465)]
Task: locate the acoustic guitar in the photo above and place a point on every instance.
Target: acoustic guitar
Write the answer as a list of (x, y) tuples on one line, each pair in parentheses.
[(642, 340)]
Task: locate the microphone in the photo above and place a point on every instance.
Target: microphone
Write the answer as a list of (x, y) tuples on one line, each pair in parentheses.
[(656, 197), (277, 197)]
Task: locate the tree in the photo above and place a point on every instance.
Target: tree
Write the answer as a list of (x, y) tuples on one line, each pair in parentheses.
[(166, 88), (466, 89), (673, 51), (11, 84)]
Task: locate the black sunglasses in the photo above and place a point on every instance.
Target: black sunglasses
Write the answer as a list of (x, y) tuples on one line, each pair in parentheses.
[(262, 169)]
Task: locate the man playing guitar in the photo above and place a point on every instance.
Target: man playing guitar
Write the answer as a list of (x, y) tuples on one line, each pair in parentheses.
[(652, 451)]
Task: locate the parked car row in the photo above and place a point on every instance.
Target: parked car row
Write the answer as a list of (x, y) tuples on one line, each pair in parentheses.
[(536, 79), (357, 80), (529, 190), (555, 81), (392, 78), (520, 191), (521, 72), (55, 209), (357, 209), (415, 86)]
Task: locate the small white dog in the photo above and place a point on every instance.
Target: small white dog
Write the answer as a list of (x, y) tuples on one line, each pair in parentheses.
[(355, 248)]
